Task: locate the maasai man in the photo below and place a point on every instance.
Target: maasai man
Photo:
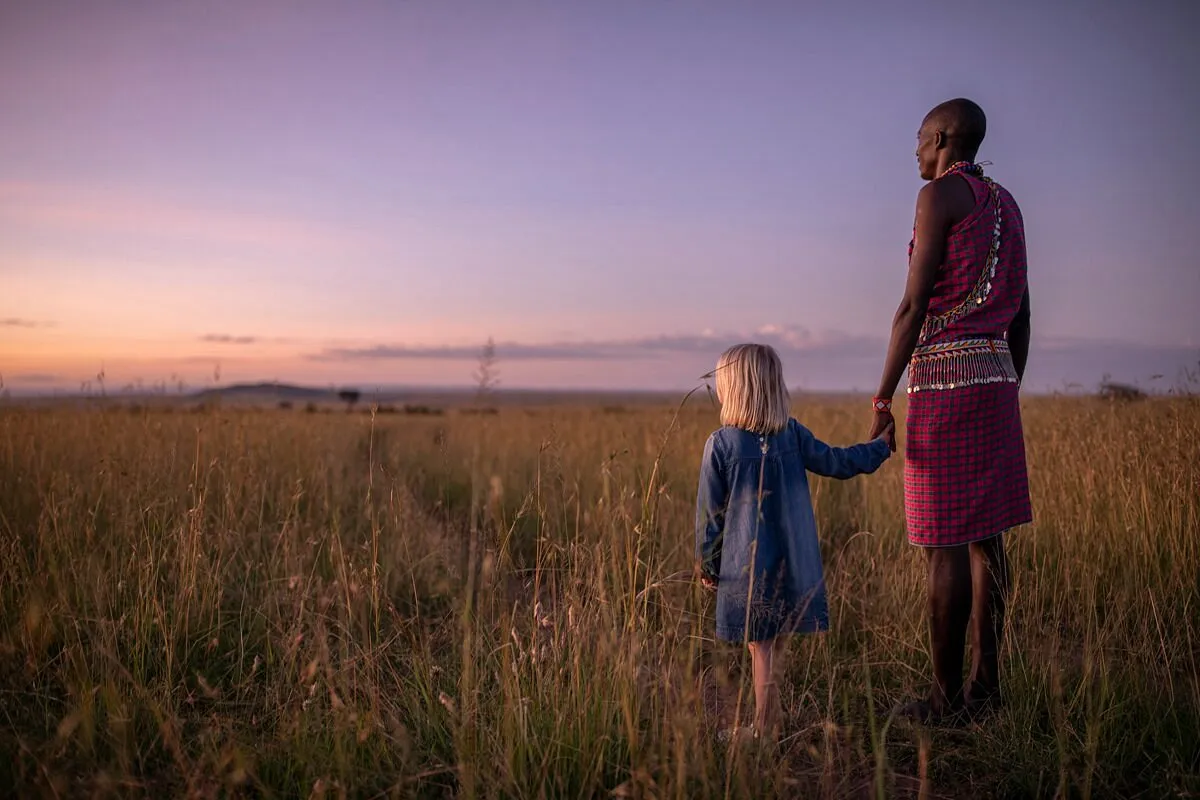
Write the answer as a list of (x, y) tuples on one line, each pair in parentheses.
[(963, 331)]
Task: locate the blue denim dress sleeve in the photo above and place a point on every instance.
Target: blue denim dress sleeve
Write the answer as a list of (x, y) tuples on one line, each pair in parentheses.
[(711, 498), (840, 462)]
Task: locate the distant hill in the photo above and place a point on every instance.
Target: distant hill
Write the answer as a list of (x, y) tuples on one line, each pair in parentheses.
[(266, 392), (274, 393)]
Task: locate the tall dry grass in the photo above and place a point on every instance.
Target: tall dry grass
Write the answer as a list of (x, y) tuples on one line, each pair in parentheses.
[(283, 604)]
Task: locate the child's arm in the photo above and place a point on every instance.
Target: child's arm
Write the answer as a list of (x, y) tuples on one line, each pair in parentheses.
[(843, 462), (710, 512)]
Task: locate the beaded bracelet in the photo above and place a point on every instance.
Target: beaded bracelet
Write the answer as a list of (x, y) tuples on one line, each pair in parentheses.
[(882, 403)]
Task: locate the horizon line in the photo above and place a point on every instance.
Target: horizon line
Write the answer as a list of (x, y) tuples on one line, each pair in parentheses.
[(365, 394)]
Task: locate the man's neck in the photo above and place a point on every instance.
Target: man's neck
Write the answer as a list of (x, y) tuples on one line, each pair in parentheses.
[(953, 157)]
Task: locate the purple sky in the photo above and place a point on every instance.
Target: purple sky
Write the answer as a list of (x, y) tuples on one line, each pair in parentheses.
[(616, 191)]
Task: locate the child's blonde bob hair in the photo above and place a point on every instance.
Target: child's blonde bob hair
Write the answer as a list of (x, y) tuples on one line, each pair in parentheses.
[(751, 390)]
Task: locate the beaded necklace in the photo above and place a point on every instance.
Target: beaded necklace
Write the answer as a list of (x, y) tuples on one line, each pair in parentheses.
[(966, 167)]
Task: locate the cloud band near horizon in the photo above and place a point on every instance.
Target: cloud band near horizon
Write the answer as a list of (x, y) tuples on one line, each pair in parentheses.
[(793, 340)]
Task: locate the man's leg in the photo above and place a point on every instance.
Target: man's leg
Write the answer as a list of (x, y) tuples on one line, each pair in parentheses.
[(990, 583), (949, 613)]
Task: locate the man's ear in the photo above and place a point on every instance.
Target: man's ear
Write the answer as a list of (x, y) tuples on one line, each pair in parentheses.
[(939, 140)]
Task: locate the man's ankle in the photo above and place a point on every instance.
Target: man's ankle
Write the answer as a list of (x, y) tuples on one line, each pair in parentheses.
[(979, 697), (982, 691), (944, 706)]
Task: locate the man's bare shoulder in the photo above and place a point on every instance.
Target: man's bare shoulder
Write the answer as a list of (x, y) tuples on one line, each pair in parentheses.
[(940, 192), (950, 198), (935, 200)]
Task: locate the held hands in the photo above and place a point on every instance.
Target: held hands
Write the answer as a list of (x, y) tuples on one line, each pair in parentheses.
[(884, 427)]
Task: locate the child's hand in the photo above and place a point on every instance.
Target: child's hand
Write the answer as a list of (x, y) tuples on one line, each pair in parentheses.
[(708, 583)]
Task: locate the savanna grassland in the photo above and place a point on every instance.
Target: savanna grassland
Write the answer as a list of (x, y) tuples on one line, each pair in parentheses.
[(266, 602)]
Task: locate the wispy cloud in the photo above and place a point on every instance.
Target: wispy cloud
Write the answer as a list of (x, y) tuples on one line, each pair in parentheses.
[(225, 338), (788, 340), (17, 322), (35, 378), (1059, 362), (819, 360)]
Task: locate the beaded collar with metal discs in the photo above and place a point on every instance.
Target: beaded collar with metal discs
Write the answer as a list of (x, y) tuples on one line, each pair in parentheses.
[(965, 167)]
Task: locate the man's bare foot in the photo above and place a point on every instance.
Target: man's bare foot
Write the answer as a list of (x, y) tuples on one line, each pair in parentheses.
[(979, 707), (922, 712)]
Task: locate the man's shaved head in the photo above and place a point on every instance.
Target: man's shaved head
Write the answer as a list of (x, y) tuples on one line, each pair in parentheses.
[(960, 120)]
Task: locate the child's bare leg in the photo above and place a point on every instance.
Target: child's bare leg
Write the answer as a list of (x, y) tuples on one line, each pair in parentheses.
[(778, 666), (766, 660)]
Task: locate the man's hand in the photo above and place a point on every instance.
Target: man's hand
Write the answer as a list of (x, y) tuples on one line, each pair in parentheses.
[(884, 427)]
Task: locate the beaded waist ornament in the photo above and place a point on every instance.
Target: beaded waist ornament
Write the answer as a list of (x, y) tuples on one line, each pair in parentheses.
[(966, 362)]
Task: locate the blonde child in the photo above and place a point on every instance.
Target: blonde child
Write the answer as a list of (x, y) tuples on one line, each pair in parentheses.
[(756, 537)]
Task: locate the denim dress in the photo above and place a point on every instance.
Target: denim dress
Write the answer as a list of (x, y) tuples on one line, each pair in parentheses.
[(755, 530)]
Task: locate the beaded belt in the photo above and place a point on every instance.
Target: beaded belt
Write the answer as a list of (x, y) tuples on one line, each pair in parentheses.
[(966, 362)]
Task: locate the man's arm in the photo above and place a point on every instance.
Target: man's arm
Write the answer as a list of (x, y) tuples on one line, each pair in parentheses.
[(1018, 336), (929, 249)]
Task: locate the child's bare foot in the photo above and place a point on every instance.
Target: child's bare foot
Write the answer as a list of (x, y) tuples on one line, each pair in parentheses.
[(739, 735)]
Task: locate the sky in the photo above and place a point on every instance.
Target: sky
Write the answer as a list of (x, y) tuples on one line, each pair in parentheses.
[(202, 193)]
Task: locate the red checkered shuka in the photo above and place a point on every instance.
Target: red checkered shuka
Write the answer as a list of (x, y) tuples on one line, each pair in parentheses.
[(965, 476)]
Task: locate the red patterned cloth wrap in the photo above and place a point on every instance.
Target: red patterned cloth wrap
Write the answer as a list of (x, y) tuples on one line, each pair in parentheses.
[(965, 476)]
